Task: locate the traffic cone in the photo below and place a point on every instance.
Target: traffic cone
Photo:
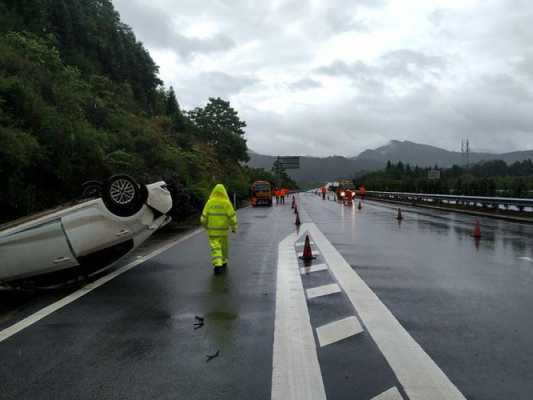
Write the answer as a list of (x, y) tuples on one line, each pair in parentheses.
[(477, 230), (359, 206), (293, 202), (399, 217), (297, 222), (295, 208), (307, 255)]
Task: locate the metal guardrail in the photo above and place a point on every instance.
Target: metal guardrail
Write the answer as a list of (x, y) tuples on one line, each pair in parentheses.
[(472, 201)]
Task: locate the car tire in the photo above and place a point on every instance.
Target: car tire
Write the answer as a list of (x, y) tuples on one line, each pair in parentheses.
[(122, 195), (91, 189)]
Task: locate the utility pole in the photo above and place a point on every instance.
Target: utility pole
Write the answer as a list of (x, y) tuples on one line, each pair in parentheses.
[(467, 149)]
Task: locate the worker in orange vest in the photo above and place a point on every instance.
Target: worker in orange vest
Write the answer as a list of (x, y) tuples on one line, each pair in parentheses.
[(277, 194), (283, 193)]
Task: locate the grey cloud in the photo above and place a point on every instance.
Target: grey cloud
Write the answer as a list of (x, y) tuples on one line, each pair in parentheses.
[(471, 75), (156, 29), (404, 63), (212, 84), (305, 84)]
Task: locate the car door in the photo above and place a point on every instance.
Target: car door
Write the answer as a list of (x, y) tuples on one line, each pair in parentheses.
[(93, 228), (35, 250)]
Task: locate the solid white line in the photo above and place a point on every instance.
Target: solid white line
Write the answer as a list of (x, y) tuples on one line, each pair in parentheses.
[(44, 312), (391, 394), (419, 375), (323, 290), (338, 330), (313, 268), (295, 369)]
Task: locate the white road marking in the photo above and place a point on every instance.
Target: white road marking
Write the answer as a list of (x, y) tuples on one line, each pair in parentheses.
[(313, 268), (420, 377), (526, 258), (315, 253), (44, 312), (296, 372), (323, 290), (303, 243), (391, 394), (338, 330)]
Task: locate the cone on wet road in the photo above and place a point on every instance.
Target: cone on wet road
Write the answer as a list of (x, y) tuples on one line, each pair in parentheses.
[(307, 255), (477, 230), (293, 202), (295, 208), (399, 217), (359, 206), (297, 222)]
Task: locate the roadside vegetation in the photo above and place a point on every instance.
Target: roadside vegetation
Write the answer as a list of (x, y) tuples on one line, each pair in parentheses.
[(490, 178), (80, 99)]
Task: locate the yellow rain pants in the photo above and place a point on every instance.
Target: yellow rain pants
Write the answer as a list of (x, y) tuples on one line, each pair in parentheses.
[(218, 216)]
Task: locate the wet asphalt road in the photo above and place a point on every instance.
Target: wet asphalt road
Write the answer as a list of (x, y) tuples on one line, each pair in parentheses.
[(466, 303)]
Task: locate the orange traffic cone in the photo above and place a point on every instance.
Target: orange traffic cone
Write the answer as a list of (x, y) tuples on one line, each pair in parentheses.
[(307, 255), (359, 206), (399, 217), (297, 222), (477, 230)]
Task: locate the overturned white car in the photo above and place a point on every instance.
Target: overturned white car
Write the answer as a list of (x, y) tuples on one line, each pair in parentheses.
[(113, 219)]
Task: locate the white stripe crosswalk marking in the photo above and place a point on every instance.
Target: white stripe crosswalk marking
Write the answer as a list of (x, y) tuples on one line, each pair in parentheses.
[(391, 394), (526, 258), (338, 330), (324, 290), (418, 374), (303, 243), (296, 372), (313, 268), (315, 253)]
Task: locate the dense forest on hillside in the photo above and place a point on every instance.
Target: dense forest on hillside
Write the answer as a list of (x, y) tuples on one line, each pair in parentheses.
[(80, 98), (490, 178)]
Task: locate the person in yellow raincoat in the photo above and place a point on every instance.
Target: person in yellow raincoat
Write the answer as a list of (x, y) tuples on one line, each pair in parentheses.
[(218, 216)]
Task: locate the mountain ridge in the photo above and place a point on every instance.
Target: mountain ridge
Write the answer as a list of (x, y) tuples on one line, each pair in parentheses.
[(320, 169)]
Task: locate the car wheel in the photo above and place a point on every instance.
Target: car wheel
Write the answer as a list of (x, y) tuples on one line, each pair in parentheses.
[(122, 195), (91, 189)]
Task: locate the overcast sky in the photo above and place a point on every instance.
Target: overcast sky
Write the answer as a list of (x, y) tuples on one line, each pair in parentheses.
[(323, 77)]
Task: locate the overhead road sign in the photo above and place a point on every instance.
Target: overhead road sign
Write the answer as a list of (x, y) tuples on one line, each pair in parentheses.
[(289, 162)]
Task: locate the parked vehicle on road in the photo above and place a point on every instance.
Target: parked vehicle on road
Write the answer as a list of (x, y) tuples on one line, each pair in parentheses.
[(261, 193), (112, 219)]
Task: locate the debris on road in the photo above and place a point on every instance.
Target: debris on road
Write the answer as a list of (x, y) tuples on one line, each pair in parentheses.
[(210, 357)]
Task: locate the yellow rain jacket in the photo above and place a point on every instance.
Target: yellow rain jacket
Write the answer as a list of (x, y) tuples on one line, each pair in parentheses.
[(218, 215)]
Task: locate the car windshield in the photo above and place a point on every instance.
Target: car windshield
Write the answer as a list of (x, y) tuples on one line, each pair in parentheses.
[(261, 187)]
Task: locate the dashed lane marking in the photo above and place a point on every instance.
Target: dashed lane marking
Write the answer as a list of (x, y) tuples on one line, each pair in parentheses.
[(313, 268), (323, 290), (296, 372), (338, 330), (44, 312), (419, 375), (391, 394)]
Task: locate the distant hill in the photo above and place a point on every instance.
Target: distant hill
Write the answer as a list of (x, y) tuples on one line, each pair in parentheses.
[(317, 170), (424, 155)]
